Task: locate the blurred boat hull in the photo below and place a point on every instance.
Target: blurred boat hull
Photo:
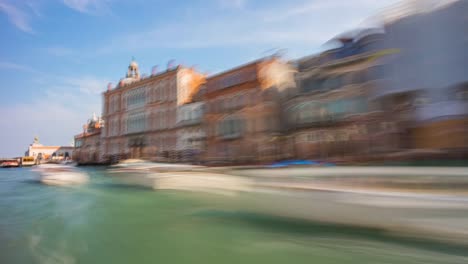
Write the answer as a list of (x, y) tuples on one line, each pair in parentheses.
[(61, 175)]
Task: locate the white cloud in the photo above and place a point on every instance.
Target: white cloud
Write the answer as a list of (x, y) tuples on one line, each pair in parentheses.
[(88, 6), (16, 16), (305, 23), (331, 7), (34, 6), (14, 66)]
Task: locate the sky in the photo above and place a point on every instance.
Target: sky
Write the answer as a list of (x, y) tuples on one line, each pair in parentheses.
[(57, 56)]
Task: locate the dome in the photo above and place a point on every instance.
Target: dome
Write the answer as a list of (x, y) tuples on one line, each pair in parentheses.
[(133, 64), (126, 81)]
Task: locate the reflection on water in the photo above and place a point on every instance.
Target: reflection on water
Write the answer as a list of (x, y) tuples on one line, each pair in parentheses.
[(107, 222)]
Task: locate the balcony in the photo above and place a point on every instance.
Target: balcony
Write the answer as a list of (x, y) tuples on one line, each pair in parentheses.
[(189, 122)]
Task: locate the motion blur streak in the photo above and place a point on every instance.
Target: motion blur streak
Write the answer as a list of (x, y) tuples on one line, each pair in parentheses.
[(108, 221)]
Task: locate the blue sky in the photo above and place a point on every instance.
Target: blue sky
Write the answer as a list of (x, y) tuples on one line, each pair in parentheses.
[(57, 56)]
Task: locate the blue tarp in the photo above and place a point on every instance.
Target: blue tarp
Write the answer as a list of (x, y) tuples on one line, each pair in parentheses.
[(287, 163)]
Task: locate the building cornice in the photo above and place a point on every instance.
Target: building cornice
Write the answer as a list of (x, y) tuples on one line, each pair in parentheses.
[(142, 81)]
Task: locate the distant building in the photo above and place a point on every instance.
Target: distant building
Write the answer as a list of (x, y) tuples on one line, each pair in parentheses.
[(140, 113), (87, 144), (242, 115), (43, 153)]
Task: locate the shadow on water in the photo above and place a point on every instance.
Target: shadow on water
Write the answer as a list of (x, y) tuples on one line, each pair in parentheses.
[(310, 228), (122, 186), (32, 181)]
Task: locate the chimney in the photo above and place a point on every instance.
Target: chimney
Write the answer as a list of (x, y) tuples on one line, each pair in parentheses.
[(154, 70), (170, 64)]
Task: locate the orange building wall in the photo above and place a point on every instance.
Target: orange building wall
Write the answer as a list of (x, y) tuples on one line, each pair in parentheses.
[(442, 134)]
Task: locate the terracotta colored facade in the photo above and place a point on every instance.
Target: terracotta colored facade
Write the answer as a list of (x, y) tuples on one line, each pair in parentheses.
[(448, 134), (242, 116)]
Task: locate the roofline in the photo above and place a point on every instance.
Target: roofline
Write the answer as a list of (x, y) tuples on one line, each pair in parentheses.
[(240, 67), (355, 34), (143, 80), (45, 147), (82, 135)]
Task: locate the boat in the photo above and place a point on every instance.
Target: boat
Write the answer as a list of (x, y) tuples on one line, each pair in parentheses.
[(141, 172), (9, 163), (420, 202), (182, 177), (61, 175), (28, 161)]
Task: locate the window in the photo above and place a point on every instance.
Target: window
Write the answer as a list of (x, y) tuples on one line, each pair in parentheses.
[(253, 98), (214, 107), (243, 99), (311, 84), (229, 102), (136, 123), (361, 105), (230, 127), (159, 120), (114, 103), (157, 93), (136, 97), (163, 119), (223, 105), (154, 93), (252, 125), (312, 137), (271, 123), (114, 127), (162, 90), (308, 112), (123, 129), (333, 82)]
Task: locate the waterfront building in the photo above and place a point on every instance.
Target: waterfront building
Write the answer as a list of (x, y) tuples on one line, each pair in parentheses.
[(428, 82), (43, 153), (332, 114), (140, 113), (87, 144), (242, 114)]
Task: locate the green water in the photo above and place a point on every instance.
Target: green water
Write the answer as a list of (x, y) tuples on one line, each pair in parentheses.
[(106, 222)]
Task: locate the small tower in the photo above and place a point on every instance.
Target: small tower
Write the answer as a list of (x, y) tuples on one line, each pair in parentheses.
[(133, 71)]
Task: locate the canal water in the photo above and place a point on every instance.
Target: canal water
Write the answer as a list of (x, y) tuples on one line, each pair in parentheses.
[(107, 222)]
